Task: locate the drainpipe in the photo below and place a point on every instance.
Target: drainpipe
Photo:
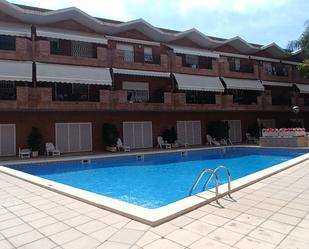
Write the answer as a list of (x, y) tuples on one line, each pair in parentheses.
[(33, 43)]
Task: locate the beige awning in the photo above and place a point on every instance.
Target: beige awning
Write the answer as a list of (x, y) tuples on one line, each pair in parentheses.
[(303, 88), (11, 29), (243, 84), (194, 51), (71, 35), (141, 73), (73, 74), (198, 83), (16, 70), (276, 83)]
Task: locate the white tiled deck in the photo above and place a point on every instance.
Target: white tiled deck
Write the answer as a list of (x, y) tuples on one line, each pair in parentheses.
[(273, 213)]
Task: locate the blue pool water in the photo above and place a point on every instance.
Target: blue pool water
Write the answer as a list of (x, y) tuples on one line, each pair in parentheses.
[(158, 179)]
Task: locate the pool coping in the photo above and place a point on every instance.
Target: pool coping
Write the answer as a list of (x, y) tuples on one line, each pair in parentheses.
[(152, 217)]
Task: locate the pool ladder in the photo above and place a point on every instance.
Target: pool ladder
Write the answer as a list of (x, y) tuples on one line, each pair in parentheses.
[(213, 173)]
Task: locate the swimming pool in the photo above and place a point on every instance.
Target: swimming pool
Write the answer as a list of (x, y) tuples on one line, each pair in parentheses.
[(158, 179)]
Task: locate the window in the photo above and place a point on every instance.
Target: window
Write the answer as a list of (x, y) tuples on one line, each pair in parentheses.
[(7, 42), (82, 49), (191, 60), (7, 90), (276, 69), (237, 64), (137, 92), (148, 54), (127, 52)]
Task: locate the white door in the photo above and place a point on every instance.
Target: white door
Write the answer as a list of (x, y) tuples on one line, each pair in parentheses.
[(267, 123), (7, 139), (137, 134), (189, 131), (74, 137), (235, 133)]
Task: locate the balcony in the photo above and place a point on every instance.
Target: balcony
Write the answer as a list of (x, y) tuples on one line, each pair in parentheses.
[(243, 71), (83, 56), (41, 99), (299, 77), (139, 61), (203, 66), (15, 48), (276, 72)]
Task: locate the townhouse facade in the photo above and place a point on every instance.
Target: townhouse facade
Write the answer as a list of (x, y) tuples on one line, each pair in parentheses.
[(68, 73)]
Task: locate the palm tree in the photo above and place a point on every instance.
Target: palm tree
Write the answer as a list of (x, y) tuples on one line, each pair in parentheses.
[(302, 43)]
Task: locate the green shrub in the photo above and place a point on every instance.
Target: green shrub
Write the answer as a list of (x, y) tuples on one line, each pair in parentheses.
[(35, 139), (110, 134), (218, 129)]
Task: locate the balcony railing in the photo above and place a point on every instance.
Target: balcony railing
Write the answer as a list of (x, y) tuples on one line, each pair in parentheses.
[(7, 43), (135, 57), (7, 91), (198, 97), (277, 71), (242, 68), (281, 100), (201, 63), (72, 48)]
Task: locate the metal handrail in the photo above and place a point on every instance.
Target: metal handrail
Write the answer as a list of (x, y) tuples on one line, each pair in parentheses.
[(201, 176), (229, 178)]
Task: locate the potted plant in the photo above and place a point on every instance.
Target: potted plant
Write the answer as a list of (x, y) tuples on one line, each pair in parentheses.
[(110, 136), (170, 136), (35, 141)]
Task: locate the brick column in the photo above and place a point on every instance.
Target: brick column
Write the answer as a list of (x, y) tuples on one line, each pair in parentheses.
[(167, 98), (105, 97), (164, 61), (43, 48), (219, 99), (22, 93)]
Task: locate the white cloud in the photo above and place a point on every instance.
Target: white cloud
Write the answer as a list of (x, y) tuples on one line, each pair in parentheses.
[(239, 6)]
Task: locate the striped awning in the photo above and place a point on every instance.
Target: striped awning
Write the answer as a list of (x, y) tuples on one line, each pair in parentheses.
[(141, 73), (193, 51), (19, 30), (276, 83), (303, 88), (71, 35), (73, 74), (16, 70), (198, 83), (243, 84)]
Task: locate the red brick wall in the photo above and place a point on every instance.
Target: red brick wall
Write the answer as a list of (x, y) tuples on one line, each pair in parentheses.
[(228, 49), (185, 42), (133, 34), (70, 25), (6, 18)]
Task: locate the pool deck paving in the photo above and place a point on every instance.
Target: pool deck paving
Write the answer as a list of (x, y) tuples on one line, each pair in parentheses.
[(273, 213)]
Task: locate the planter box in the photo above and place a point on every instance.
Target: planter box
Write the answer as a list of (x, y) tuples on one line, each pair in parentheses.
[(270, 133)]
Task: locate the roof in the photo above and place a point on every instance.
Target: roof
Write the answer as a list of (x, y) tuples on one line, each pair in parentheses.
[(41, 16)]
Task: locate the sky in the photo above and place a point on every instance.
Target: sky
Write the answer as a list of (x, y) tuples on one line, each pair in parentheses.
[(256, 21)]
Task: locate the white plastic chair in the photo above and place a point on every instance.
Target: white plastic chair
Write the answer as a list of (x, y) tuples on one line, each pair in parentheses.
[(51, 150), (212, 141), (250, 138), (163, 144), (120, 146), (24, 153)]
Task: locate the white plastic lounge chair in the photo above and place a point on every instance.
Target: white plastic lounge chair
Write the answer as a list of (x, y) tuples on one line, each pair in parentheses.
[(223, 142), (212, 141), (251, 139), (120, 146), (163, 144), (51, 150), (24, 153)]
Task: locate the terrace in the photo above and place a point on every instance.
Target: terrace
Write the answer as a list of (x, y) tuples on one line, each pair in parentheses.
[(267, 214)]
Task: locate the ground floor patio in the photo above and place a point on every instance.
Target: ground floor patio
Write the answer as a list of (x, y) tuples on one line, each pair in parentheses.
[(273, 213)]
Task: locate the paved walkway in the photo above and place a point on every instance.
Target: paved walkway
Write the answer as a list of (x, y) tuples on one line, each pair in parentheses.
[(273, 213)]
